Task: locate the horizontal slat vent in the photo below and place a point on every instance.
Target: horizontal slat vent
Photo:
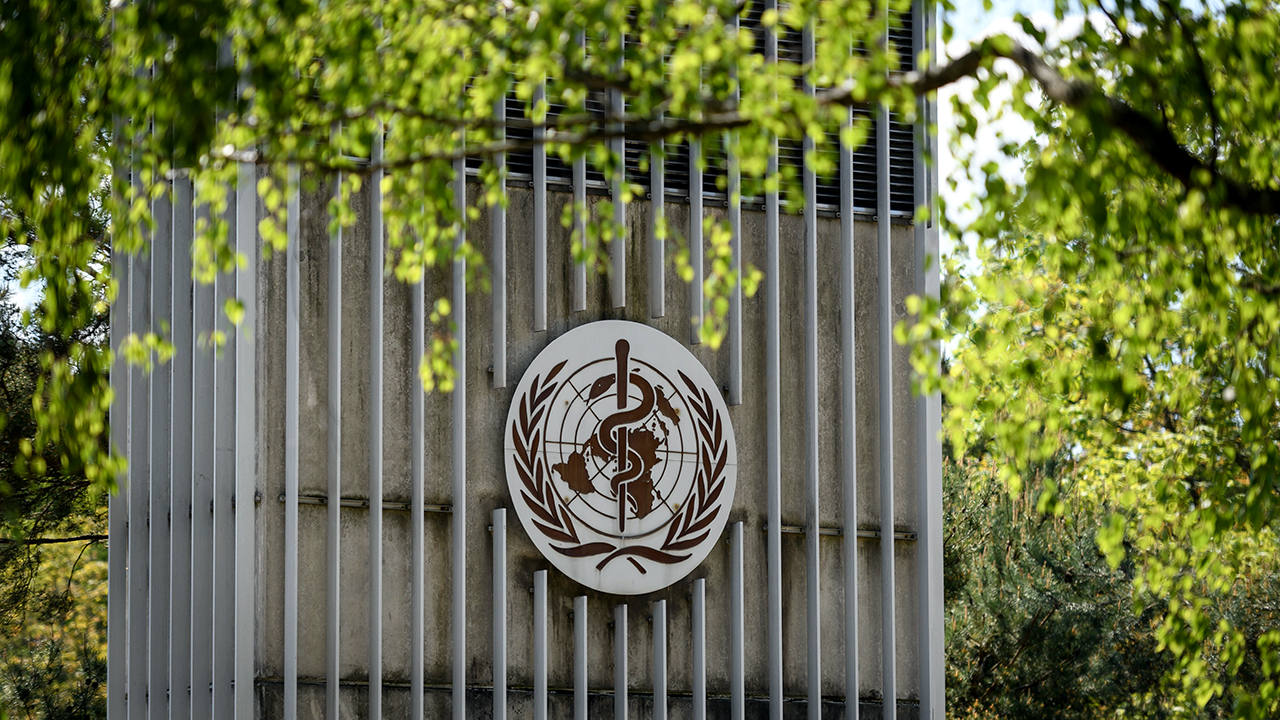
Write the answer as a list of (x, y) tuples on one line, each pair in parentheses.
[(900, 40), (558, 171), (636, 160), (676, 169), (519, 164), (715, 168), (901, 166), (597, 105)]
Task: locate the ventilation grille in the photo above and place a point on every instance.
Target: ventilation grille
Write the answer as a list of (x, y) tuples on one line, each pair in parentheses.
[(636, 156), (597, 105), (520, 163), (677, 168)]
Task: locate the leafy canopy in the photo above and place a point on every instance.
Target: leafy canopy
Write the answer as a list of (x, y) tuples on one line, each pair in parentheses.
[(199, 87), (1125, 307), (1121, 309)]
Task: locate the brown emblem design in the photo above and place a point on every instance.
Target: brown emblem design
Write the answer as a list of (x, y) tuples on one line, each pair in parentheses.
[(634, 450)]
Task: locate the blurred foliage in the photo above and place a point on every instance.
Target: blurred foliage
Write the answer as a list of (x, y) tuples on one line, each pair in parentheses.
[(54, 127), (1116, 310), (1120, 309), (1040, 625), (53, 656), (42, 495), (129, 95), (52, 593)]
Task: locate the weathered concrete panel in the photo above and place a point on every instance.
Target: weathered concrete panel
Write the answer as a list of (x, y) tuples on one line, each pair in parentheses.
[(487, 488)]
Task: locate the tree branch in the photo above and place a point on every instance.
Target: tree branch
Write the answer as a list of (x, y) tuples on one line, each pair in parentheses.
[(54, 541), (1156, 141), (1153, 138), (634, 128), (1189, 40)]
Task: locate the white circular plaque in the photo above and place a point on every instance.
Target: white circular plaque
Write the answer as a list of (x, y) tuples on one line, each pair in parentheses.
[(620, 457)]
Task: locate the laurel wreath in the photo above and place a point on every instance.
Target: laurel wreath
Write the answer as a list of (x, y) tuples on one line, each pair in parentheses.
[(689, 528)]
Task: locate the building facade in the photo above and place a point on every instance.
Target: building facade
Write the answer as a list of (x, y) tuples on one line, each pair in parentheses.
[(380, 568)]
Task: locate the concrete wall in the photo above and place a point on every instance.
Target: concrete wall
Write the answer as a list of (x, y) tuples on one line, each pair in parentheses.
[(487, 486)]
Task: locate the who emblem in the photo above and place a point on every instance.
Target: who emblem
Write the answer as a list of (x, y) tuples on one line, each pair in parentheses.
[(620, 457)]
